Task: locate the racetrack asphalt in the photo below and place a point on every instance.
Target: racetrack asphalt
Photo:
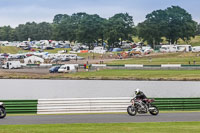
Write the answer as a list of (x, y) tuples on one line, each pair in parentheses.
[(99, 118)]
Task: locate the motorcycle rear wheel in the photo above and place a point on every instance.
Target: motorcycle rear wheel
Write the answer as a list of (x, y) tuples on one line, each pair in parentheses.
[(155, 111), (2, 112), (131, 110)]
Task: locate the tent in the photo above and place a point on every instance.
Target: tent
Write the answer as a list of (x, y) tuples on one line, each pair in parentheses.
[(33, 60)]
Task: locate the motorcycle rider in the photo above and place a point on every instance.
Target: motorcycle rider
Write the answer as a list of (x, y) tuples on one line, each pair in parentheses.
[(140, 96)]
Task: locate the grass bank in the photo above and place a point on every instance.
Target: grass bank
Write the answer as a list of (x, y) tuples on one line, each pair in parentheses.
[(11, 50), (194, 41), (157, 59), (121, 74), (164, 127), (16, 50), (139, 74)]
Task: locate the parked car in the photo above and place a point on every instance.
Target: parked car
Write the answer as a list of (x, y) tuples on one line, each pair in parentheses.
[(54, 60), (117, 50), (65, 59), (48, 48), (80, 58), (54, 69)]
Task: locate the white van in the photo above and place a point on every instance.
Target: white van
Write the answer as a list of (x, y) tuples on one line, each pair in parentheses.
[(68, 68), (12, 65), (168, 48)]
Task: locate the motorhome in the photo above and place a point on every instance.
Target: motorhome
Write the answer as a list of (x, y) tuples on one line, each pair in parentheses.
[(12, 65), (196, 49), (99, 50), (68, 68), (168, 48), (184, 48)]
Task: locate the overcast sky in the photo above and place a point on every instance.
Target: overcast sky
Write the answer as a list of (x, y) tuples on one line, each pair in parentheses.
[(14, 12)]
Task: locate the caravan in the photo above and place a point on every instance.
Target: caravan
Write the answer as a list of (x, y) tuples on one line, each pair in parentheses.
[(184, 48), (168, 48), (196, 49), (12, 65), (99, 50)]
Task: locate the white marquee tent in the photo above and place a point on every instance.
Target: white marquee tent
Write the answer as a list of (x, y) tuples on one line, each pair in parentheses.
[(33, 60)]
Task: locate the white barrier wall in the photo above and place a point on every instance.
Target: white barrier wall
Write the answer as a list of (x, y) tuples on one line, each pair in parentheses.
[(133, 65), (99, 65), (82, 105), (171, 65)]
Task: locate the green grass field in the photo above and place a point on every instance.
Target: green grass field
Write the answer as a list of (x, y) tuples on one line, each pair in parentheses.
[(162, 127), (138, 74), (15, 50), (11, 50), (170, 58), (194, 41), (116, 74)]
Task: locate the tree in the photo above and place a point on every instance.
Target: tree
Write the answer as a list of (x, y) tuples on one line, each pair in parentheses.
[(172, 23), (119, 28), (59, 17), (198, 30), (7, 33), (180, 24), (153, 28), (90, 29), (41, 31)]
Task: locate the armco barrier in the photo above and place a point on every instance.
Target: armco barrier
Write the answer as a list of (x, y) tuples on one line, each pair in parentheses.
[(95, 105), (178, 103), (20, 106), (82, 105)]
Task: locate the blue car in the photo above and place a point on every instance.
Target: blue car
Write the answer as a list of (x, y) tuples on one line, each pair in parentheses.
[(54, 69)]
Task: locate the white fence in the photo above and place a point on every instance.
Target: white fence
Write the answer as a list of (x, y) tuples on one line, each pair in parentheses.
[(82, 105)]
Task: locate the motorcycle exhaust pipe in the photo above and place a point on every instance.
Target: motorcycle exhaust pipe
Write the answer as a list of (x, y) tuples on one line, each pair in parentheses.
[(151, 108)]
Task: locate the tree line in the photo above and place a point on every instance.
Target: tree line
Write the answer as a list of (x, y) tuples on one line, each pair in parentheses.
[(172, 23)]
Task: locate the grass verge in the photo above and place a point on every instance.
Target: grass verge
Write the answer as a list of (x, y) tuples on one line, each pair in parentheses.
[(164, 127), (107, 74), (161, 58)]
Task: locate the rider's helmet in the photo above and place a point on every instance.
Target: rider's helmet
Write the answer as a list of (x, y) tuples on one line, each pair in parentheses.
[(137, 91)]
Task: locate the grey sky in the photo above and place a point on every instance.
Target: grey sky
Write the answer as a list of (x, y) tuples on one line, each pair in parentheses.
[(14, 12)]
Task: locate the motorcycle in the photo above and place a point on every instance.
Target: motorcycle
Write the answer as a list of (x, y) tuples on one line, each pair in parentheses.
[(2, 110), (142, 107)]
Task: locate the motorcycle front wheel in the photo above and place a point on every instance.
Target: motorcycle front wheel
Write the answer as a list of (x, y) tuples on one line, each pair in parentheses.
[(131, 110), (2, 112), (153, 110)]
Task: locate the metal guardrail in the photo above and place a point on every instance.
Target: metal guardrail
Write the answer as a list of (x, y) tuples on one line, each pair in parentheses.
[(20, 106), (100, 105), (134, 66), (178, 103), (93, 105)]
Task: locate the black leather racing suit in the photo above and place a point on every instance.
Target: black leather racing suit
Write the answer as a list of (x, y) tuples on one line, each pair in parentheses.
[(140, 96)]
